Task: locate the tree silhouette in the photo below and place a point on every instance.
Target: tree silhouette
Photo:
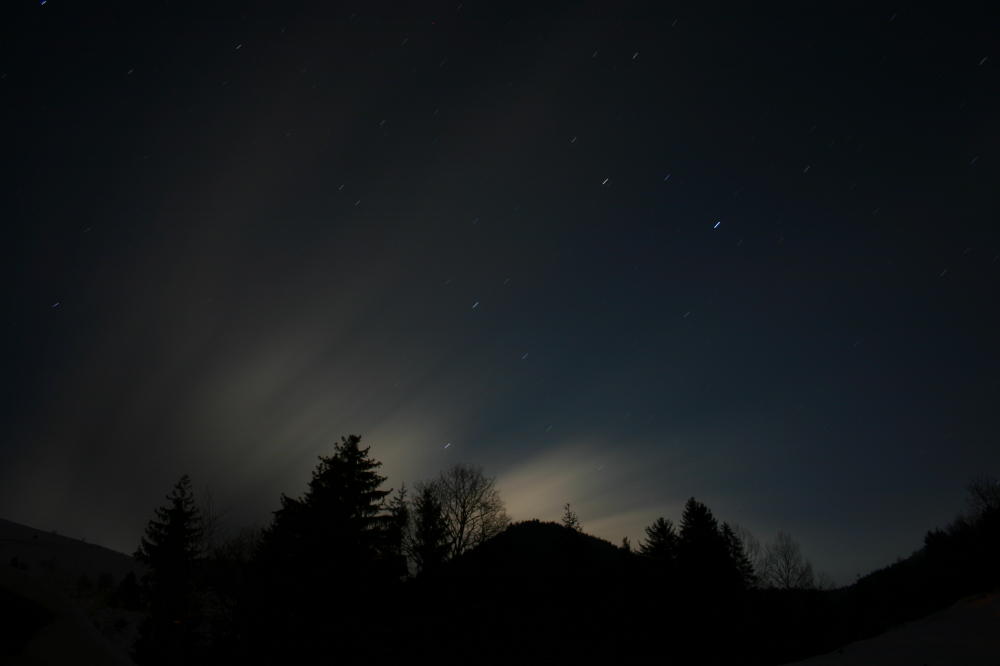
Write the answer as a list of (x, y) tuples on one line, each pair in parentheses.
[(661, 542), (398, 528), (739, 560), (427, 543), (328, 555), (128, 593), (704, 556), (342, 516), (570, 519), (784, 567), (699, 540), (753, 550), (962, 557), (471, 506), (983, 496), (171, 548)]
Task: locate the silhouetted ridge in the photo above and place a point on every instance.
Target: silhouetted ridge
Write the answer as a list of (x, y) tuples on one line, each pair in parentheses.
[(541, 549), (522, 592), (352, 572)]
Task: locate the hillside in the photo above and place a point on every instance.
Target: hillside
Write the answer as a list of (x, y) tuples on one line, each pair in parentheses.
[(563, 595), (536, 589), (968, 633), (60, 557), (54, 600), (538, 592), (543, 550)]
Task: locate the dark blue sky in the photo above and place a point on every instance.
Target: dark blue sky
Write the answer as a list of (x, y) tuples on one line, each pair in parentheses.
[(618, 255)]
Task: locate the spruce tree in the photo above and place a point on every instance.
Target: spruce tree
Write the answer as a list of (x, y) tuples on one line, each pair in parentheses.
[(398, 528), (702, 552), (341, 524), (661, 541), (428, 544), (328, 556), (171, 550), (742, 568)]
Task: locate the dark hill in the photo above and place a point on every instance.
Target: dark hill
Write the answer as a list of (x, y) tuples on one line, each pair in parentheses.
[(967, 633), (539, 591), (548, 594), (542, 550)]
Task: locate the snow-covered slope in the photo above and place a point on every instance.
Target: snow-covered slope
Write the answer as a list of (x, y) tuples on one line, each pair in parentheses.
[(54, 600), (967, 634)]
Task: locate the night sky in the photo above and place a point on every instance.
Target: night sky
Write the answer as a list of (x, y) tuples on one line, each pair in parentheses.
[(618, 255)]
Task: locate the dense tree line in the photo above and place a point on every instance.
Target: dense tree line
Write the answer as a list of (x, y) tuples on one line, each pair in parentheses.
[(356, 572)]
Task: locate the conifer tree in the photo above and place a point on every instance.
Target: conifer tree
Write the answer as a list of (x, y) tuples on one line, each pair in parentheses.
[(341, 521), (171, 549), (661, 541), (398, 527), (698, 526), (328, 556), (428, 543), (702, 552), (570, 519), (742, 568)]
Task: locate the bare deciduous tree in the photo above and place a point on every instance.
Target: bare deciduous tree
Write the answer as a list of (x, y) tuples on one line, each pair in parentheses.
[(784, 567), (824, 581), (471, 506), (753, 549), (240, 546), (983, 495), (213, 533)]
